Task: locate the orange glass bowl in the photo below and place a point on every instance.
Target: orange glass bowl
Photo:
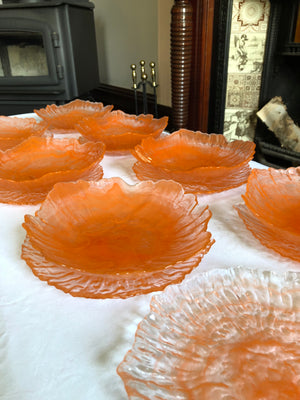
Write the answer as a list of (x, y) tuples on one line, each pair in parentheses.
[(28, 171), (66, 116), (225, 334), (14, 130), (201, 162), (120, 131), (272, 209), (108, 239)]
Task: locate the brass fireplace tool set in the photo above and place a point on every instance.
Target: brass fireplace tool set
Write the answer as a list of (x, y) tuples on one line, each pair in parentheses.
[(143, 84)]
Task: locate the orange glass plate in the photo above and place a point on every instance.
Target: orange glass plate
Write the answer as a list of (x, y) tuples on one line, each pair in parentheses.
[(14, 130), (108, 239), (272, 209), (28, 171), (225, 334), (66, 116), (200, 162), (120, 131)]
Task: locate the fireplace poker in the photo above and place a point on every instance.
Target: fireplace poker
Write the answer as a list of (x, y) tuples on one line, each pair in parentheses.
[(154, 85), (134, 87), (144, 83)]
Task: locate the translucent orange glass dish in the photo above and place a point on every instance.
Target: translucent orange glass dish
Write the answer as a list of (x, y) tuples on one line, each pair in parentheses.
[(14, 130), (66, 116), (29, 170), (226, 334), (272, 209), (120, 131), (201, 162), (108, 239)]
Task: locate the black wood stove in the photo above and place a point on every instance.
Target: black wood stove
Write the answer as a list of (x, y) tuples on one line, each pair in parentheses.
[(48, 53)]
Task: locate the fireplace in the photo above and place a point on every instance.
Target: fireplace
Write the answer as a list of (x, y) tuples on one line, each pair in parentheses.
[(48, 53), (280, 78)]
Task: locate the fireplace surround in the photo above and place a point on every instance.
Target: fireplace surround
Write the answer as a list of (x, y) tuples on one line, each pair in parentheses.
[(48, 53)]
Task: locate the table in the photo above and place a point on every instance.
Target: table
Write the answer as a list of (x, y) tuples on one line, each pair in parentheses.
[(57, 347)]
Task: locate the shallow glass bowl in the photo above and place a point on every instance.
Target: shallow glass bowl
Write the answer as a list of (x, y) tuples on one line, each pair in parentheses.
[(29, 170), (109, 239), (271, 209), (225, 334), (120, 131), (201, 162), (14, 130), (66, 116)]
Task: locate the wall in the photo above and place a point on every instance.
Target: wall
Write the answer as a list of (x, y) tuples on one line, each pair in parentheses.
[(164, 67), (129, 31)]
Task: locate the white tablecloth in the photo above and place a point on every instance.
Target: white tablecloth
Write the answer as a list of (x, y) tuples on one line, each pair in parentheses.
[(57, 347)]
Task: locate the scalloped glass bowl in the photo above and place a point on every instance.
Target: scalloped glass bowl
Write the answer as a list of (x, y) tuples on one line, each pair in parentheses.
[(65, 117), (14, 130), (120, 131), (29, 170), (199, 161), (109, 239), (272, 209), (225, 334)]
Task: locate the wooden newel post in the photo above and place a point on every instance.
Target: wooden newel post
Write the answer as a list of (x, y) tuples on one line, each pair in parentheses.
[(181, 60)]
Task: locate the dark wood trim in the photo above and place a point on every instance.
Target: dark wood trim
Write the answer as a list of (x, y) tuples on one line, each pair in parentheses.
[(181, 36), (219, 70), (203, 22), (123, 99), (211, 40)]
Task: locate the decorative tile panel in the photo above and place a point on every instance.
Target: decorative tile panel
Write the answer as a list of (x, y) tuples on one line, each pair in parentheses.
[(245, 64)]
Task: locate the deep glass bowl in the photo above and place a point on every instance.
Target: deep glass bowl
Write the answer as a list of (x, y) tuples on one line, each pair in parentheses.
[(225, 334), (109, 239), (120, 131), (200, 162), (272, 209), (66, 116), (14, 130), (29, 170)]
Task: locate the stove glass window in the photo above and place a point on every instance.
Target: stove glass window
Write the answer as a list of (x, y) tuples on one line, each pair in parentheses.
[(22, 54)]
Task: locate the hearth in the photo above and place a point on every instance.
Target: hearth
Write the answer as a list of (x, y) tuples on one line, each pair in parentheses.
[(48, 53)]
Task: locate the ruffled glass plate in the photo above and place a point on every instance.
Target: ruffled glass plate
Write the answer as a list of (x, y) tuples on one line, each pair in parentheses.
[(29, 170), (109, 239), (272, 209), (226, 334), (65, 117), (120, 131), (14, 130), (200, 162)]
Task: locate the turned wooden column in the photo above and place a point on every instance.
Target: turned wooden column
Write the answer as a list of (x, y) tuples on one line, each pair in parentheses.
[(181, 60)]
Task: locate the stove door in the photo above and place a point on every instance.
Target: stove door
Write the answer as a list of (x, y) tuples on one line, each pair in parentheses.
[(27, 55)]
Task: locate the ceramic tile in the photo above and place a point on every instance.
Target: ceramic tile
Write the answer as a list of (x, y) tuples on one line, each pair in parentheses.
[(250, 16), (245, 64), (243, 90), (239, 124), (246, 52)]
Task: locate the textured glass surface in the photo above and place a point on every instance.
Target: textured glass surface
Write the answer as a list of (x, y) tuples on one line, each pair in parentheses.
[(14, 130), (110, 239), (66, 116), (272, 209), (200, 162), (120, 131), (29, 170), (225, 334)]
